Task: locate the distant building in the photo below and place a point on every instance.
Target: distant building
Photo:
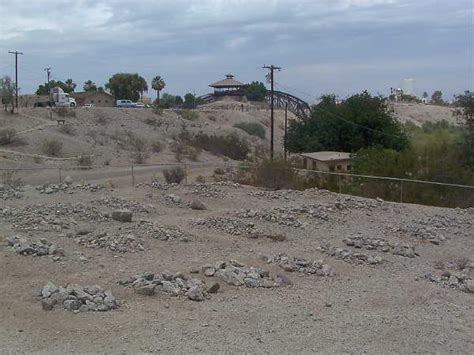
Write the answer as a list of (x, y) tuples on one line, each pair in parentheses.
[(227, 88), (97, 98), (327, 161)]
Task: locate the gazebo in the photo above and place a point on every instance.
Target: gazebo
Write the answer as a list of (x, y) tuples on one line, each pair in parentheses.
[(227, 87)]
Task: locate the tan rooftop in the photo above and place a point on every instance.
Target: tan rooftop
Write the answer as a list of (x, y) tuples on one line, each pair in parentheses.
[(327, 156), (229, 81)]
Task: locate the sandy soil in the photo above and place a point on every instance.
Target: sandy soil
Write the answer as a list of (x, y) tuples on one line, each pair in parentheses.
[(384, 308)]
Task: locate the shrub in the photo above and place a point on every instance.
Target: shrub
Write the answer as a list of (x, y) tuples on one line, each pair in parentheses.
[(52, 147), (276, 174), (64, 112), (193, 154), (212, 118), (102, 120), (252, 128), (219, 171), (85, 160), (66, 129), (200, 179), (189, 115), (174, 175), (158, 110), (10, 179), (7, 136), (230, 145), (157, 147), (139, 157)]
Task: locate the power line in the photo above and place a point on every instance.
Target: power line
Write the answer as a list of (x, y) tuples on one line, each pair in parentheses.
[(16, 76), (272, 68)]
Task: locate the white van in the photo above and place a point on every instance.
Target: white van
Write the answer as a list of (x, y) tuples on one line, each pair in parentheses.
[(124, 103)]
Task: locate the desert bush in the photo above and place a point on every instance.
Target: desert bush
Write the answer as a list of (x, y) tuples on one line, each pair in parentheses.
[(102, 120), (139, 157), (52, 147), (85, 160), (276, 174), (66, 129), (99, 138), (158, 110), (129, 140), (230, 145), (252, 128), (212, 118), (174, 175), (38, 160), (10, 179), (157, 147), (219, 171), (189, 115), (7, 136), (200, 179), (64, 112), (193, 154)]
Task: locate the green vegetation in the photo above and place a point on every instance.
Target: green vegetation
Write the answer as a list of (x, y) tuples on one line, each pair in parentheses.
[(191, 102), (7, 136), (158, 84), (189, 115), (52, 147), (231, 145), (126, 86), (67, 86), (358, 122), (170, 101), (252, 128), (255, 91), (7, 92), (437, 98), (174, 175), (89, 85)]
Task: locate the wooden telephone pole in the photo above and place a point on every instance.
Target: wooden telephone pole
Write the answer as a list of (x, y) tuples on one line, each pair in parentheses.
[(16, 76), (272, 68)]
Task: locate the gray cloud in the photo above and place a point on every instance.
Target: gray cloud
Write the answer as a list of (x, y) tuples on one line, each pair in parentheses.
[(339, 46)]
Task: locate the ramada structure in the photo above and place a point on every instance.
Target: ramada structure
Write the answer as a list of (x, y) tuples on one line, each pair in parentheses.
[(327, 161), (227, 87)]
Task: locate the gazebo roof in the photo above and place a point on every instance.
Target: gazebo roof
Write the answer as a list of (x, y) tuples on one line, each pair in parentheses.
[(228, 82)]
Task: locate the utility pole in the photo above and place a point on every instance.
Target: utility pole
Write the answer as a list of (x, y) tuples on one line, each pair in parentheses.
[(48, 73), (285, 142), (272, 68), (16, 76)]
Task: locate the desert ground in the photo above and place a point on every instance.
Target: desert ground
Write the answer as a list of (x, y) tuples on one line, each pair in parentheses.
[(215, 267)]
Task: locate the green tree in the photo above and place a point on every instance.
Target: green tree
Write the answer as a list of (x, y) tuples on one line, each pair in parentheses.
[(189, 101), (425, 95), (7, 92), (45, 88), (437, 97), (89, 85), (465, 112), (70, 85), (158, 84), (126, 86), (255, 91), (169, 101), (360, 121)]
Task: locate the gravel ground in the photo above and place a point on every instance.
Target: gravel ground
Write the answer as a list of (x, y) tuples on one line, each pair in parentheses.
[(335, 302)]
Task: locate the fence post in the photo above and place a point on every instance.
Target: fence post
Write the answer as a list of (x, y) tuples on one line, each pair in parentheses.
[(185, 174), (401, 191), (340, 188), (59, 174), (133, 177)]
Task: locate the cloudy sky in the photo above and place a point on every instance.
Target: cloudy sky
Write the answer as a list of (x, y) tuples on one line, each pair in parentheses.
[(323, 46)]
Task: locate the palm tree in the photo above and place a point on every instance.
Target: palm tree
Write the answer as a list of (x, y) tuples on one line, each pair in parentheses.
[(158, 84)]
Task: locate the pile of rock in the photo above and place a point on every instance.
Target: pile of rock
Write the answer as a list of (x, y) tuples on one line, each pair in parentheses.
[(231, 226), (76, 298), (46, 217), (298, 264), (175, 200), (237, 274), (286, 195), (349, 255), (170, 233), (457, 275), (348, 203), (161, 185), (382, 245), (115, 242), (314, 210), (208, 190), (173, 284), (278, 215), (118, 203), (67, 188), (227, 183), (40, 247), (9, 193)]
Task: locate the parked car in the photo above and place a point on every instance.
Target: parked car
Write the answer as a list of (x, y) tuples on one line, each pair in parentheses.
[(124, 103), (88, 105), (139, 105)]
